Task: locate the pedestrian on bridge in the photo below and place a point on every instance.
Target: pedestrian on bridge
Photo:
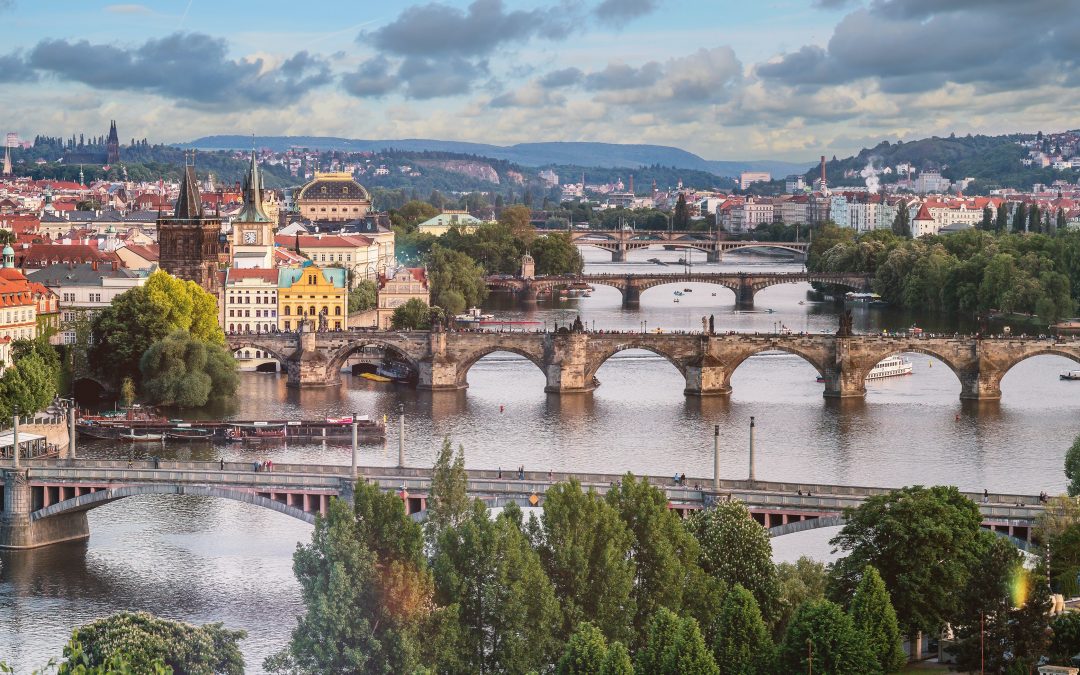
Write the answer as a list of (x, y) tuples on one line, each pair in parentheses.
[(222, 460)]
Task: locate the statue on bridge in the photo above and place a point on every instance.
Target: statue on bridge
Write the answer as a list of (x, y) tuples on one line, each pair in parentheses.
[(578, 326), (845, 325)]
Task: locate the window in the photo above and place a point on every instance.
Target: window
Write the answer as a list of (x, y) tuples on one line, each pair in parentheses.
[(247, 312), (287, 311), (337, 325), (337, 310), (231, 313), (95, 297)]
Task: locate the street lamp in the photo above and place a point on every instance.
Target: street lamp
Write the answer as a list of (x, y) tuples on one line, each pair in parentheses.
[(401, 436), (15, 434)]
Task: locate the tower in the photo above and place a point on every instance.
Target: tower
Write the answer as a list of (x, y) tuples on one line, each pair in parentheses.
[(112, 145), (252, 229), (7, 160), (189, 240)]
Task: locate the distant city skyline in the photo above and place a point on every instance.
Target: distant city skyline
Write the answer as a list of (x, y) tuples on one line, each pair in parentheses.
[(788, 79)]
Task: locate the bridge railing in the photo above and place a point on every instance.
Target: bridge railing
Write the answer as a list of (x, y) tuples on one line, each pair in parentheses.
[(264, 480)]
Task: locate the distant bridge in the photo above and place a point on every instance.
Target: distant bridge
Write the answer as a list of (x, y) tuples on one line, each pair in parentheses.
[(46, 501), (745, 284), (620, 242), (570, 360)]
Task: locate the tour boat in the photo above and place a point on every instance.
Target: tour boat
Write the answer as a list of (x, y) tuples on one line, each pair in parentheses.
[(894, 366), (678, 293), (1071, 375), (473, 316), (189, 434), (255, 432), (393, 370), (688, 290)]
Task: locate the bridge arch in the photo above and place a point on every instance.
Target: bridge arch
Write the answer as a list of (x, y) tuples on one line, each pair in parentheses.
[(465, 364), (598, 360), (93, 500), (342, 354), (733, 364), (916, 348), (1049, 350), (236, 345), (783, 245)]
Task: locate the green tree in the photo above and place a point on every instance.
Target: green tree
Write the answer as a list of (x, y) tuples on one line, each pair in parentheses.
[(127, 392), (742, 645), (805, 579), (1020, 220), (674, 646), (585, 548), (901, 225), (1066, 640), (618, 661), (363, 296), (448, 502), (736, 550), (182, 371), (29, 383), (821, 633), (517, 218), (681, 218), (1072, 468), (508, 613), (923, 573), (1001, 222), (987, 223), (457, 281), (873, 615), (1034, 219), (1003, 620), (413, 213), (367, 591), (586, 652), (555, 253), (413, 315), (134, 320), (143, 639)]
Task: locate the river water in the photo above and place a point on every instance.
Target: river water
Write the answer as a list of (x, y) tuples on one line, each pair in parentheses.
[(203, 560)]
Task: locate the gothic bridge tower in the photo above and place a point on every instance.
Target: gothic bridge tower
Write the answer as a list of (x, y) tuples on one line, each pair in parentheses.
[(189, 240)]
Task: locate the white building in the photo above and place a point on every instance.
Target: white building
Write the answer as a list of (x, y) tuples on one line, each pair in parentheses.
[(250, 301), (85, 289), (747, 178)]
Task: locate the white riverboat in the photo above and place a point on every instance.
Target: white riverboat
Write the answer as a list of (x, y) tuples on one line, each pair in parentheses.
[(1071, 375), (894, 366)]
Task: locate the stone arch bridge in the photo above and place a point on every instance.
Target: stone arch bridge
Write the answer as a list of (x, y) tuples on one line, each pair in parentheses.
[(744, 284), (620, 242), (570, 360)]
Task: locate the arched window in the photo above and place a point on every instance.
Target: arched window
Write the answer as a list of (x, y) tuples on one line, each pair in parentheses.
[(288, 311), (337, 311), (311, 310)]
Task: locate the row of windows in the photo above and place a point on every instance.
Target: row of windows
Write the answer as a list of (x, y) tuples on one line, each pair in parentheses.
[(311, 310), (288, 325), (246, 300), (246, 328), (17, 316), (258, 313), (70, 297)]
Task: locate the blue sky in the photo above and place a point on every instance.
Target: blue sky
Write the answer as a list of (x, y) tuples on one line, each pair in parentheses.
[(773, 79)]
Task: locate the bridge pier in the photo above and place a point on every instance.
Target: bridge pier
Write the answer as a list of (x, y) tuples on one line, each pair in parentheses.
[(309, 366), (619, 254), (714, 256), (706, 380), (631, 295), (980, 386), (19, 531), (744, 297), (566, 359)]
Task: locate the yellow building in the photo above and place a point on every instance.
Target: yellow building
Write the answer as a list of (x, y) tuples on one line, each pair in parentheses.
[(333, 196), (397, 288), (312, 294)]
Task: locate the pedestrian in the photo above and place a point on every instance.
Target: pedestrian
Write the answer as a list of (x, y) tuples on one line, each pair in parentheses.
[(549, 474), (270, 465), (222, 460), (500, 472), (255, 466), (800, 492), (986, 496), (682, 479)]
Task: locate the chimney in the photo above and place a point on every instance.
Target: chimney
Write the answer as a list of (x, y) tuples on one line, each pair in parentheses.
[(115, 265), (823, 168), (93, 265), (631, 183)]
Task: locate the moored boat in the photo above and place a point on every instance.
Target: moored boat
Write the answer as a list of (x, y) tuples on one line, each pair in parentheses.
[(1070, 375), (894, 366), (134, 437), (189, 434)]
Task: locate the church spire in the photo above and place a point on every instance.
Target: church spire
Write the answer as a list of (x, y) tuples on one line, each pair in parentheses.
[(189, 203), (252, 212)]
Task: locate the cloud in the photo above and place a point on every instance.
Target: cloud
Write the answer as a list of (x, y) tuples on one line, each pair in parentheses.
[(128, 9), (191, 68), (433, 78), (623, 76), (13, 68), (437, 30), (621, 12), (562, 78), (372, 78)]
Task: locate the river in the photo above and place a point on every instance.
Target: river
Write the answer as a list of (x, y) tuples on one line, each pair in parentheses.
[(203, 560)]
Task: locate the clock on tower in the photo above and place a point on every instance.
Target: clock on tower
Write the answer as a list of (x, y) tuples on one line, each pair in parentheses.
[(250, 236)]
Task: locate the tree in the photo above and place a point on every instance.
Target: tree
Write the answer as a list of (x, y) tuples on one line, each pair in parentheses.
[(363, 296), (674, 646), (182, 371), (457, 281), (1066, 641), (923, 573), (143, 639), (736, 550), (742, 645), (681, 218), (585, 548), (873, 615), (145, 314), (1003, 621), (1001, 223), (586, 652), (1034, 219), (367, 591), (901, 225), (413, 315), (987, 223), (1020, 222), (518, 219), (618, 661), (508, 614), (29, 383), (822, 633), (1072, 468), (448, 502), (805, 579), (555, 253), (664, 552)]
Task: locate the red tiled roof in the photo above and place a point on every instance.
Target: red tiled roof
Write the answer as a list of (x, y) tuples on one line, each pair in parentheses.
[(323, 241), (244, 273), (149, 252), (43, 255), (923, 214)]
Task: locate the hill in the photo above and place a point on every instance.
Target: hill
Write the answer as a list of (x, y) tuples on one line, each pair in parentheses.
[(604, 155)]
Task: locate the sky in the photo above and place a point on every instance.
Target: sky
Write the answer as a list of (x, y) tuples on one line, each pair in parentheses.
[(759, 79)]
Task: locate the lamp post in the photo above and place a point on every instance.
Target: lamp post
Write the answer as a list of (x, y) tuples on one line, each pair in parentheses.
[(15, 435), (716, 458), (355, 446), (751, 448), (401, 436)]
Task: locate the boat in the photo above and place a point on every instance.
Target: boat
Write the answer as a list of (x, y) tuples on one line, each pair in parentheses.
[(678, 293), (189, 434), (256, 432), (140, 438), (862, 297), (1070, 375), (688, 290), (473, 316), (393, 370), (375, 377), (656, 261), (894, 366)]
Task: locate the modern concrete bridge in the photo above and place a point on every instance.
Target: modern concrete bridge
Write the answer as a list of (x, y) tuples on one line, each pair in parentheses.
[(46, 501), (744, 284), (570, 359), (620, 242)]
